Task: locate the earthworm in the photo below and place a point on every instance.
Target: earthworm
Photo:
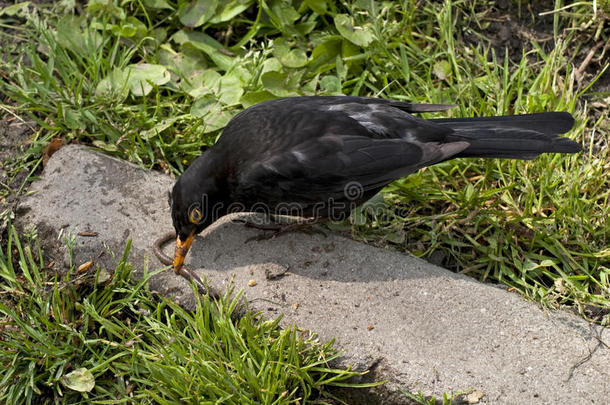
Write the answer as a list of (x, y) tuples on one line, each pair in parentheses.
[(158, 248), (184, 271)]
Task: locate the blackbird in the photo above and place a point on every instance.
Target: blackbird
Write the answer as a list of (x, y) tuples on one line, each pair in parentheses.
[(322, 156)]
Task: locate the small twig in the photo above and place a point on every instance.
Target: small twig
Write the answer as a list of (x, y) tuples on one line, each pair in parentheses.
[(87, 234), (587, 60), (3, 107)]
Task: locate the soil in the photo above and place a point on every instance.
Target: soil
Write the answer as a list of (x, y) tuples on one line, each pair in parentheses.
[(510, 26), (14, 141)]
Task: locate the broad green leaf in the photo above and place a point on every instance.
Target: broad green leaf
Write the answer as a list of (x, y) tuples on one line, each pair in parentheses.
[(142, 77), (108, 147), (361, 36), (230, 9), (255, 97), (284, 12), (306, 27), (279, 84), (271, 65), (295, 58), (197, 12), (310, 88), (159, 4), (230, 89), (331, 85), (159, 127), (208, 45), (184, 65), (138, 79), (210, 110), (529, 265), (364, 4), (105, 9), (324, 55), (72, 35), (159, 34), (130, 27), (349, 50), (442, 69), (290, 58), (244, 74), (113, 86), (80, 380), (14, 9), (317, 6), (201, 84)]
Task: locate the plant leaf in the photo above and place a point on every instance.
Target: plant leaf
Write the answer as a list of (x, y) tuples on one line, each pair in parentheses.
[(230, 9), (197, 12), (230, 89), (203, 83), (207, 44), (210, 110), (71, 35), (80, 380), (255, 97), (15, 9), (360, 36), (442, 69), (141, 77), (325, 54), (317, 6), (113, 86), (158, 4), (295, 58), (331, 85), (279, 84)]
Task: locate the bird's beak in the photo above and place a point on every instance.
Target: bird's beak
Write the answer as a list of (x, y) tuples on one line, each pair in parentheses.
[(182, 248)]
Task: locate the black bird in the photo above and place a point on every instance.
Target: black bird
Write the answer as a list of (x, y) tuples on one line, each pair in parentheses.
[(322, 156)]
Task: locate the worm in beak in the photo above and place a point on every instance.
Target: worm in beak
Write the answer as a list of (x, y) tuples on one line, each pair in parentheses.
[(182, 248)]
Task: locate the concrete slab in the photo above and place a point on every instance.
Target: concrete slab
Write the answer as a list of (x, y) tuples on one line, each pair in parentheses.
[(418, 326)]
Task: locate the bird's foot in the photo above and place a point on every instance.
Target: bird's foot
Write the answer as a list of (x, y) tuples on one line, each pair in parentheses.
[(274, 230)]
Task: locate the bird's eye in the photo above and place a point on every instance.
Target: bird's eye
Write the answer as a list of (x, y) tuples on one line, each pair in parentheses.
[(195, 215)]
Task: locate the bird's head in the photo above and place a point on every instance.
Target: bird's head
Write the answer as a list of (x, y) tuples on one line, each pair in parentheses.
[(194, 204)]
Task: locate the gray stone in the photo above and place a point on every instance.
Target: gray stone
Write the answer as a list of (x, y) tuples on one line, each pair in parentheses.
[(418, 326)]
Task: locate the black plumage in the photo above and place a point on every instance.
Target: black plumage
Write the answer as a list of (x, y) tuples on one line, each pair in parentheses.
[(305, 153)]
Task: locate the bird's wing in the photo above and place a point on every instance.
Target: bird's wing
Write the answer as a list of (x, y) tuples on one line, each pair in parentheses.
[(322, 167), (340, 140)]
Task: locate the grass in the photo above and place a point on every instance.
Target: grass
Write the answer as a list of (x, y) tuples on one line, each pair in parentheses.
[(95, 338), (154, 81)]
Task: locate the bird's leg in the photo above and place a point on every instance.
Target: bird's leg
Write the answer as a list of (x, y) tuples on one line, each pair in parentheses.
[(275, 229)]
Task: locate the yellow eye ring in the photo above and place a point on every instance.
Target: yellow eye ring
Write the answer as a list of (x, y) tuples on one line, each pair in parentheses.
[(195, 216)]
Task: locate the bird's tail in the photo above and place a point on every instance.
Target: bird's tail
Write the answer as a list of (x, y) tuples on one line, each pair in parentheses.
[(514, 136)]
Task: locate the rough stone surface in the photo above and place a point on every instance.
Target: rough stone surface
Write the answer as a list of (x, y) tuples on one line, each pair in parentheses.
[(419, 326)]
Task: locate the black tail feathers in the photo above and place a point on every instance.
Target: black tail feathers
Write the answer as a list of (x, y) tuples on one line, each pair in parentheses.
[(513, 137)]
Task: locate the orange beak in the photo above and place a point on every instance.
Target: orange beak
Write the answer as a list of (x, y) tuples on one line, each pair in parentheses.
[(182, 248)]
